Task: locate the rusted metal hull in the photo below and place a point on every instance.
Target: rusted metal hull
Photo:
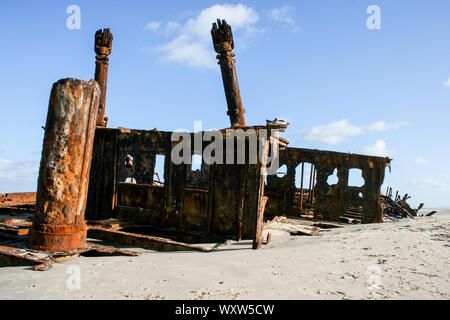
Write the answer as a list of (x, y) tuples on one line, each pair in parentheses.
[(65, 164)]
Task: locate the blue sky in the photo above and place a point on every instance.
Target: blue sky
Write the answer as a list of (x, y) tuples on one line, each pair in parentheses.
[(342, 86)]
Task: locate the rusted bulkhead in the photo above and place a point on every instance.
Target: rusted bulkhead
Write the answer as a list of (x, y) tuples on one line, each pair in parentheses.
[(219, 199), (65, 165), (328, 201)]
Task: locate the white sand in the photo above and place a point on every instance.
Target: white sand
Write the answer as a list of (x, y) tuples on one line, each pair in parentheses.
[(408, 259)]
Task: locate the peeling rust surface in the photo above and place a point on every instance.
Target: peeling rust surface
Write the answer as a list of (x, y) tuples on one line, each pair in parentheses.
[(65, 164)]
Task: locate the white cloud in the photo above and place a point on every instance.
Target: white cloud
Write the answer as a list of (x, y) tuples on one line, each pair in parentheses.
[(383, 126), (285, 15), (172, 25), (446, 83), (333, 133), (431, 183), (337, 132), (18, 170), (420, 160), (192, 44), (153, 26), (378, 149)]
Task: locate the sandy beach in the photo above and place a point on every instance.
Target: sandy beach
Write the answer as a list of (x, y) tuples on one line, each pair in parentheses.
[(408, 259)]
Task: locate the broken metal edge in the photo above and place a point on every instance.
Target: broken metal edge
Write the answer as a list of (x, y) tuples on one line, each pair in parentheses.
[(16, 256), (11, 257)]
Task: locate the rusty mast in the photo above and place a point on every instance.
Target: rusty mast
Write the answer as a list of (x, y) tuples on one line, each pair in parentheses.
[(222, 37), (102, 47)]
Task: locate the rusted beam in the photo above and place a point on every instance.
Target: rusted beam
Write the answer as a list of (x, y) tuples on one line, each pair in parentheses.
[(65, 163), (313, 185), (102, 47), (310, 183), (139, 240), (222, 37), (18, 256), (312, 232), (301, 188), (11, 256)]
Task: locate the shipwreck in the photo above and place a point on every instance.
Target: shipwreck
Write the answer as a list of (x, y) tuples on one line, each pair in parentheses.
[(97, 182)]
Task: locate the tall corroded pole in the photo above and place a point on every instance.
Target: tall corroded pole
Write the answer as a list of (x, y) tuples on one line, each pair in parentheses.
[(222, 37), (65, 163), (102, 47)]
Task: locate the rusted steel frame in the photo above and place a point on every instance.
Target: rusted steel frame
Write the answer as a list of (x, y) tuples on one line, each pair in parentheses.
[(18, 203), (301, 188), (139, 240), (17, 198), (313, 185), (211, 189), (101, 250), (11, 256), (310, 182), (102, 47), (240, 215), (262, 200), (65, 163), (222, 37)]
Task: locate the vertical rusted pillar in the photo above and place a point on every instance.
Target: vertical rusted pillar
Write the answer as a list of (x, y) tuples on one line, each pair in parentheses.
[(301, 189), (223, 44), (310, 182), (65, 163), (102, 47), (313, 185)]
